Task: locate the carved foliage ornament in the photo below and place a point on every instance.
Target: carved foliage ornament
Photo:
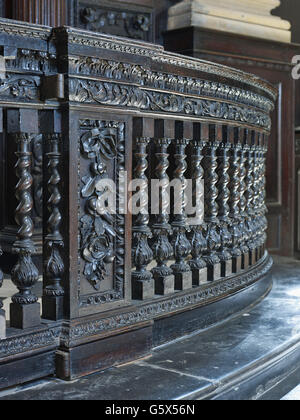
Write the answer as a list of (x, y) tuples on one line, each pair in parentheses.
[(100, 233), (131, 24), (113, 94)]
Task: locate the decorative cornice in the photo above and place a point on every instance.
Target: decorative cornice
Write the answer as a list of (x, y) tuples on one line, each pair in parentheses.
[(113, 94), (113, 70), (157, 54), (24, 29)]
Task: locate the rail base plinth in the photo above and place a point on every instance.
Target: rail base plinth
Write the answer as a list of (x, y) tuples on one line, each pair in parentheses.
[(183, 281), (143, 289), (214, 272), (25, 316), (199, 276), (164, 285)]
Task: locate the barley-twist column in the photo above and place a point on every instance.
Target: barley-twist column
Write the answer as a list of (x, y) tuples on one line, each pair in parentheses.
[(263, 200), (256, 203), (161, 246), (210, 165), (54, 266), (24, 310), (223, 215), (243, 205), (249, 199), (197, 236), (142, 279), (234, 200), (181, 245)]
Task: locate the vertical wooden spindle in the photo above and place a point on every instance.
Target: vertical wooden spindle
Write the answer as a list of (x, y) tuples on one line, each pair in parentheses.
[(234, 200), (25, 309), (161, 246), (181, 245), (54, 268), (142, 279), (197, 235), (222, 200), (210, 165)]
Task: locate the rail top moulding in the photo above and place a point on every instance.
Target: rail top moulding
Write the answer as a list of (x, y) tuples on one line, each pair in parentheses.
[(116, 285)]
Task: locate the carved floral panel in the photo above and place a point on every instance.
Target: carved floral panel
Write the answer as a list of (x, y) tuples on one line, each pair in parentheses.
[(102, 240)]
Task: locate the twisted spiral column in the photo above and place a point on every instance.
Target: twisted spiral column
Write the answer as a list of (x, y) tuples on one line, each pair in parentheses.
[(142, 279), (263, 200), (54, 265), (234, 200), (197, 235), (243, 204), (250, 201), (256, 198), (222, 201), (181, 245), (25, 274), (210, 165), (161, 229)]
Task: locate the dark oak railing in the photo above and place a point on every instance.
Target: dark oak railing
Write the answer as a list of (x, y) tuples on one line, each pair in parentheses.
[(97, 106)]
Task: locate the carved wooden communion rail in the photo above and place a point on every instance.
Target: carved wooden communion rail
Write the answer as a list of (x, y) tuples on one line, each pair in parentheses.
[(91, 107)]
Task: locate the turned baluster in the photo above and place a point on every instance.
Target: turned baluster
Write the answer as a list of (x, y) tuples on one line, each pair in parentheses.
[(256, 203), (234, 200), (222, 200), (142, 279), (181, 245), (210, 165), (249, 200), (161, 229), (197, 234), (24, 310), (264, 209), (243, 202), (54, 268)]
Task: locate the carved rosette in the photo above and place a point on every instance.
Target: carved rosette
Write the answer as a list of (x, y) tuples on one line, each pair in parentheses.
[(197, 235), (234, 200), (210, 164), (54, 265), (161, 229), (142, 254), (222, 200), (25, 274), (98, 234), (181, 245)]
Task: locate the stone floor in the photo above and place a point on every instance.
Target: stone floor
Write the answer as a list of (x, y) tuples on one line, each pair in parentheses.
[(198, 365)]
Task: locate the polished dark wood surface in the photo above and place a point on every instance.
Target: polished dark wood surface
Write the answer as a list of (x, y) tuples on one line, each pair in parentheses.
[(97, 106), (271, 61)]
